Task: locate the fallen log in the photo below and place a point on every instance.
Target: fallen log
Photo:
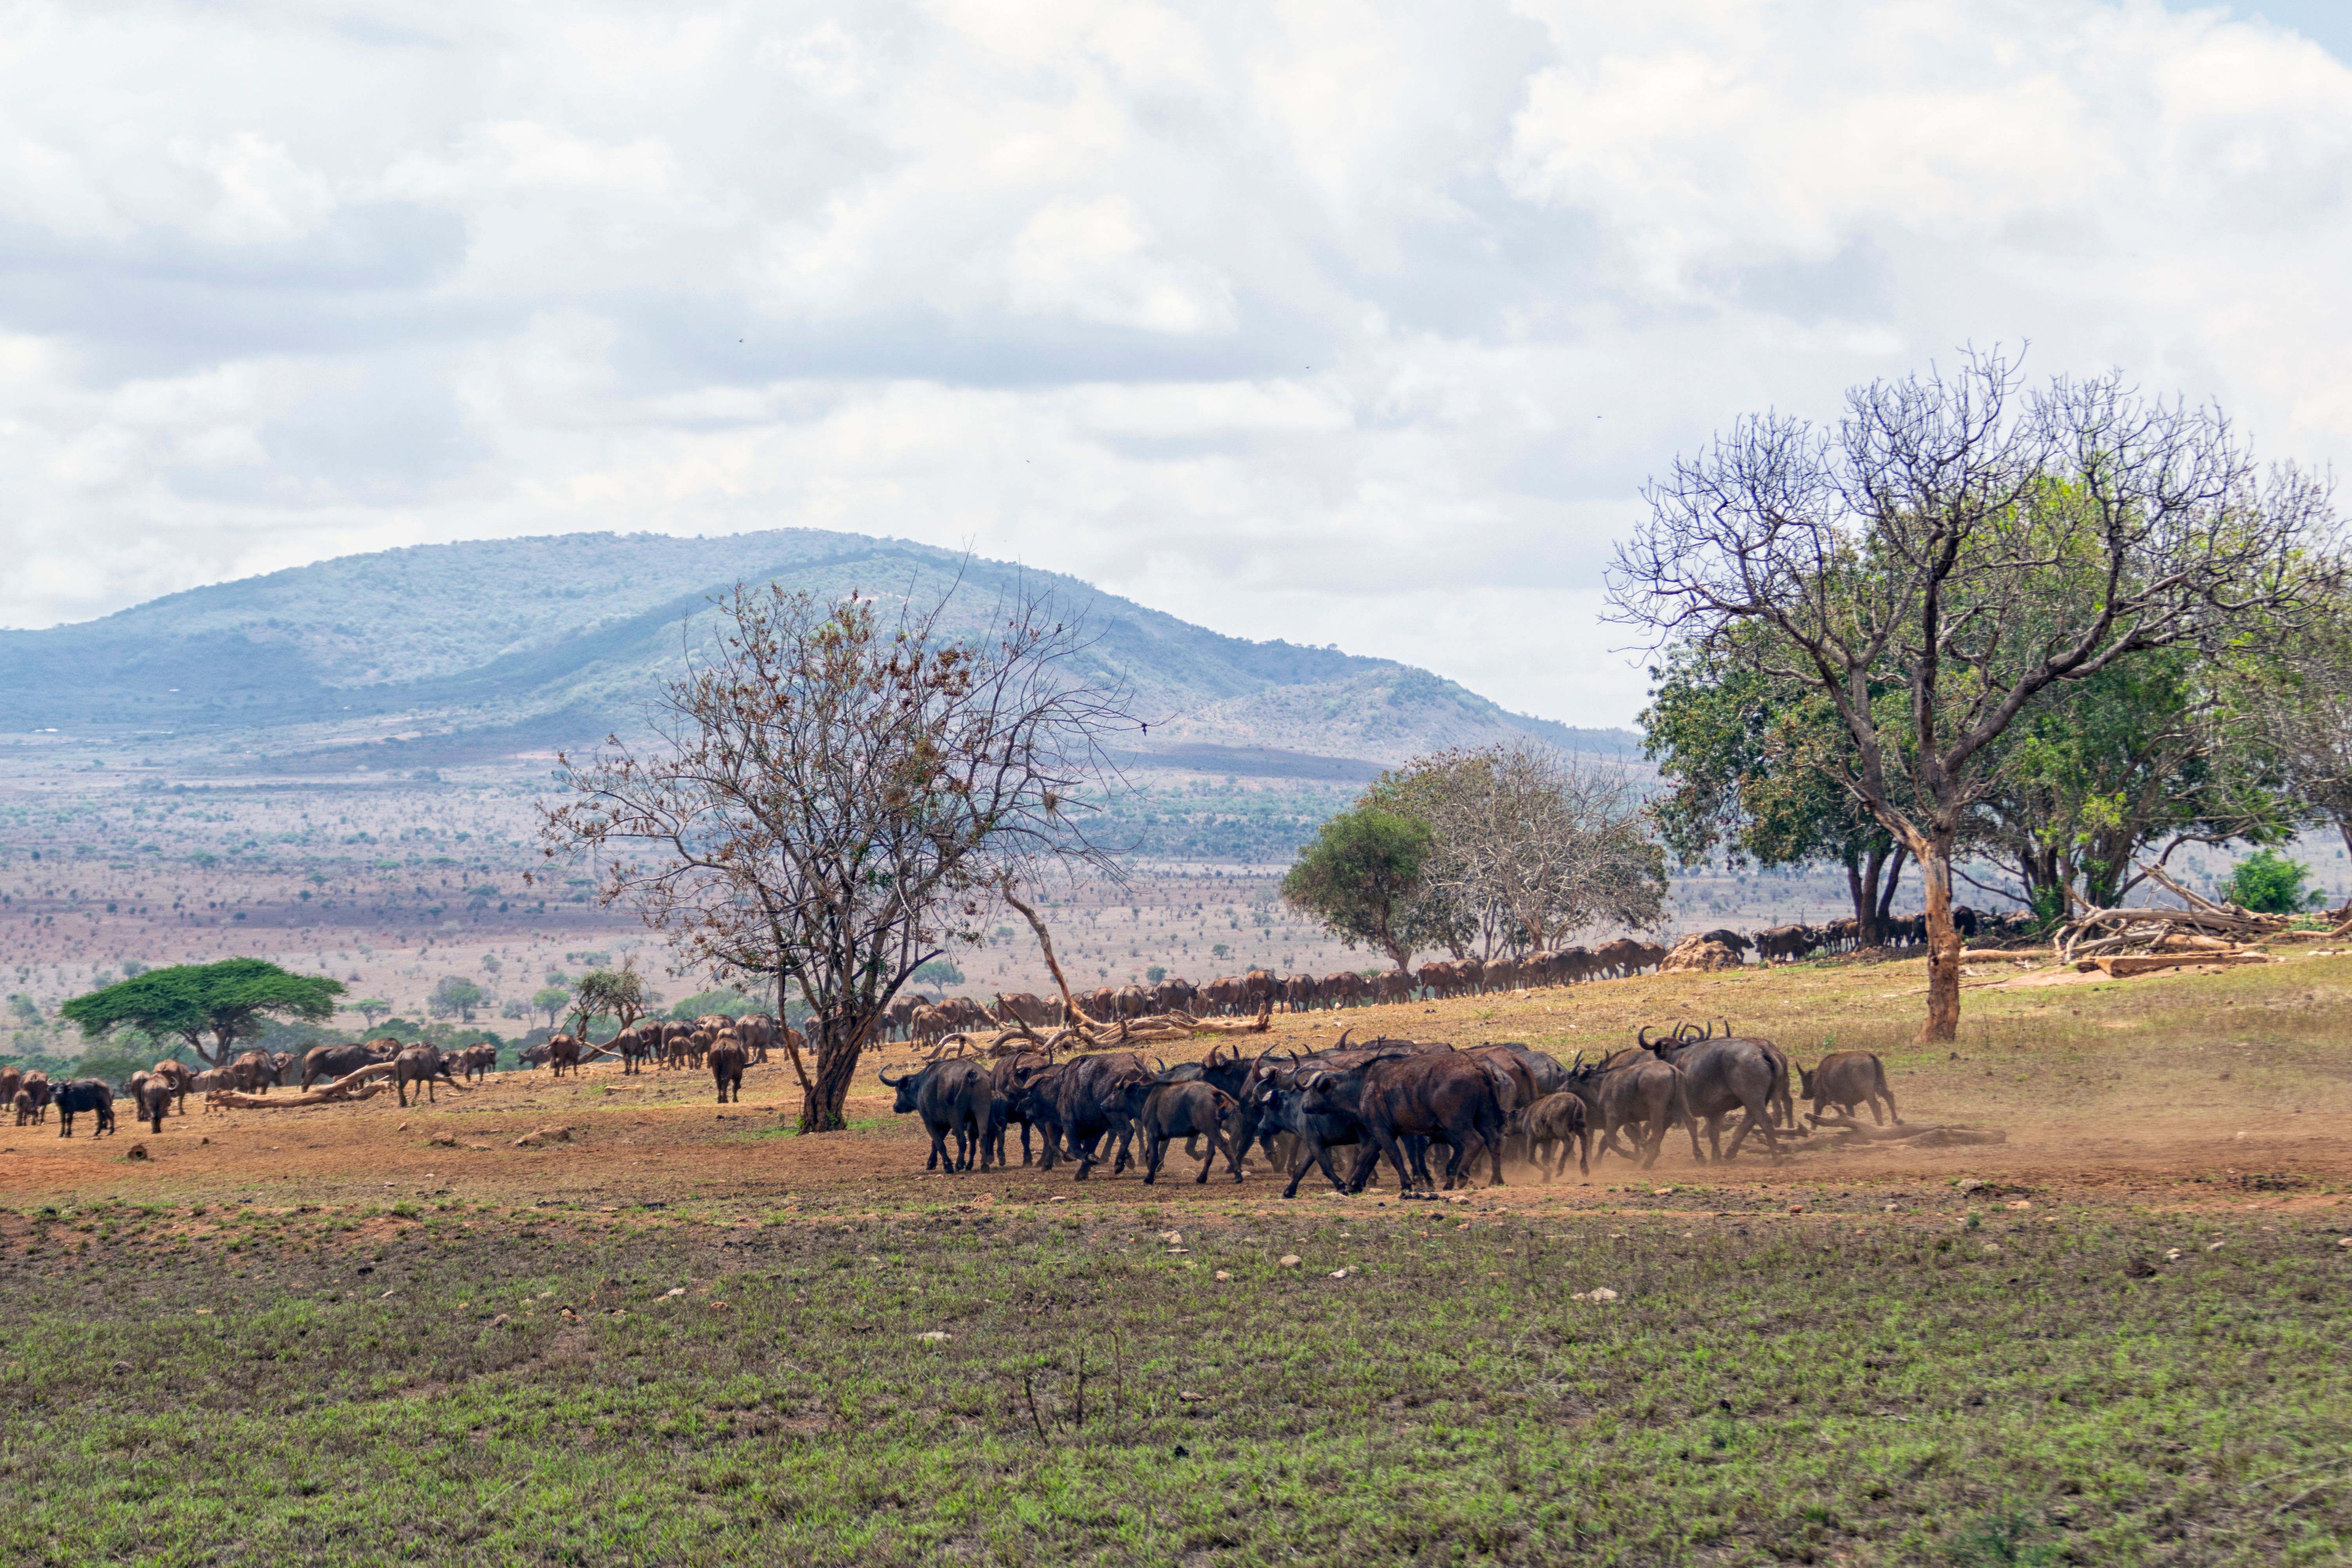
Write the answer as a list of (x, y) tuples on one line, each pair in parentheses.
[(366, 1082), (1850, 1133), (2124, 966)]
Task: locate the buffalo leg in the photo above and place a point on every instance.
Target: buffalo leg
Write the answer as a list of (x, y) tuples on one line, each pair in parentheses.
[(1385, 1144), (1882, 1092), (1216, 1138), (1152, 1151)]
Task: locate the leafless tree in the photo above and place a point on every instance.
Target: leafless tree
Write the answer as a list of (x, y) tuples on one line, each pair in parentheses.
[(830, 801), (1963, 544), (1531, 844)]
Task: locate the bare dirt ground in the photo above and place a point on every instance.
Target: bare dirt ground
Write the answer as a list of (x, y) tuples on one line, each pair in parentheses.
[(2197, 1089)]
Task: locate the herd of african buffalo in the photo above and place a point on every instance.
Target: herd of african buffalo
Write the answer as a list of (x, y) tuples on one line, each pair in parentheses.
[(1383, 1099)]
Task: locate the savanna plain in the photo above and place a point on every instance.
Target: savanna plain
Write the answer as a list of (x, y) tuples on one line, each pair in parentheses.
[(605, 1320)]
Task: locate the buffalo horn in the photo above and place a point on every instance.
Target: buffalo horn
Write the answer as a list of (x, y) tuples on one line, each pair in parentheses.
[(884, 1074), (1341, 1043), (1641, 1037)]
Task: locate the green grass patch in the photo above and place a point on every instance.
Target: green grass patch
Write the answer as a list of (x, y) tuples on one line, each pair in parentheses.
[(1852, 1388)]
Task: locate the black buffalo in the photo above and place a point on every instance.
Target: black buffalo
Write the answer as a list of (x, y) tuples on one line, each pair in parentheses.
[(952, 1098), (84, 1094)]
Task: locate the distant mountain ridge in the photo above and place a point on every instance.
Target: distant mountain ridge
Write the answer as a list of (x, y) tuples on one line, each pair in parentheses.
[(511, 644)]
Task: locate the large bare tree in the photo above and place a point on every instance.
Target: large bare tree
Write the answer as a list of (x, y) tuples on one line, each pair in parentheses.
[(832, 798), (1968, 543)]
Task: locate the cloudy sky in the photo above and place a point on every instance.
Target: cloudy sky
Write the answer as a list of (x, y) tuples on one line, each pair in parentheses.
[(1348, 324)]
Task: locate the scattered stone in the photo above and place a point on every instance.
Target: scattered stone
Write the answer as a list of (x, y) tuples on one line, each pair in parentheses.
[(1603, 1295), (2023, 1204), (1288, 1260), (531, 1140), (2346, 1242), (675, 1291), (122, 1366), (935, 1336), (1171, 1237), (500, 1321), (136, 1151), (1189, 1397), (443, 1141), (1971, 1184), (1992, 1247), (1339, 1274), (401, 1128), (2215, 1247), (1223, 1275), (2172, 1254), (1894, 1208)]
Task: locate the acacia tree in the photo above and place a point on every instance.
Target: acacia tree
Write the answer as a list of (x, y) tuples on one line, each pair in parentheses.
[(230, 1001), (619, 993), (830, 802), (1972, 545), (1528, 845)]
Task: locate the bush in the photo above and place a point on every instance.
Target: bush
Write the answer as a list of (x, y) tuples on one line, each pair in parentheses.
[(938, 971), (2272, 884)]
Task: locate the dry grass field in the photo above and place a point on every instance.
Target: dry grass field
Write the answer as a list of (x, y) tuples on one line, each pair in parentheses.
[(674, 1331)]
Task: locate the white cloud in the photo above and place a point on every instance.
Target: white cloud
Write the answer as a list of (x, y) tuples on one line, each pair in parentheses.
[(1342, 322)]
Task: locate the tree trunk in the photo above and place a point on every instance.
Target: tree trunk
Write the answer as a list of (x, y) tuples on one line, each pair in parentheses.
[(839, 1043), (1886, 892), (1943, 941)]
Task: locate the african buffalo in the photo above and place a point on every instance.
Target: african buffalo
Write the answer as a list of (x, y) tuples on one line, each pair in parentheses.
[(1634, 1089), (951, 1096), (1724, 1075), (84, 1094), (1437, 1096), (1091, 1102), (153, 1100), (1848, 1079), (1550, 1125), (422, 1065), (1182, 1109), (332, 1062), (727, 1058)]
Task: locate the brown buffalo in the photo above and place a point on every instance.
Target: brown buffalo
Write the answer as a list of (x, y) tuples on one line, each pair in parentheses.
[(565, 1051), (1550, 1125), (177, 1074), (727, 1057), (1848, 1079), (152, 1101), (421, 1065)]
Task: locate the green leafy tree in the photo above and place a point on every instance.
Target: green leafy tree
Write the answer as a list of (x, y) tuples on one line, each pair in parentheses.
[(1362, 877), (2271, 884), (454, 997), (2128, 765), (371, 1008), (620, 994), (1973, 545), (551, 1000), (1751, 763), (228, 1001)]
